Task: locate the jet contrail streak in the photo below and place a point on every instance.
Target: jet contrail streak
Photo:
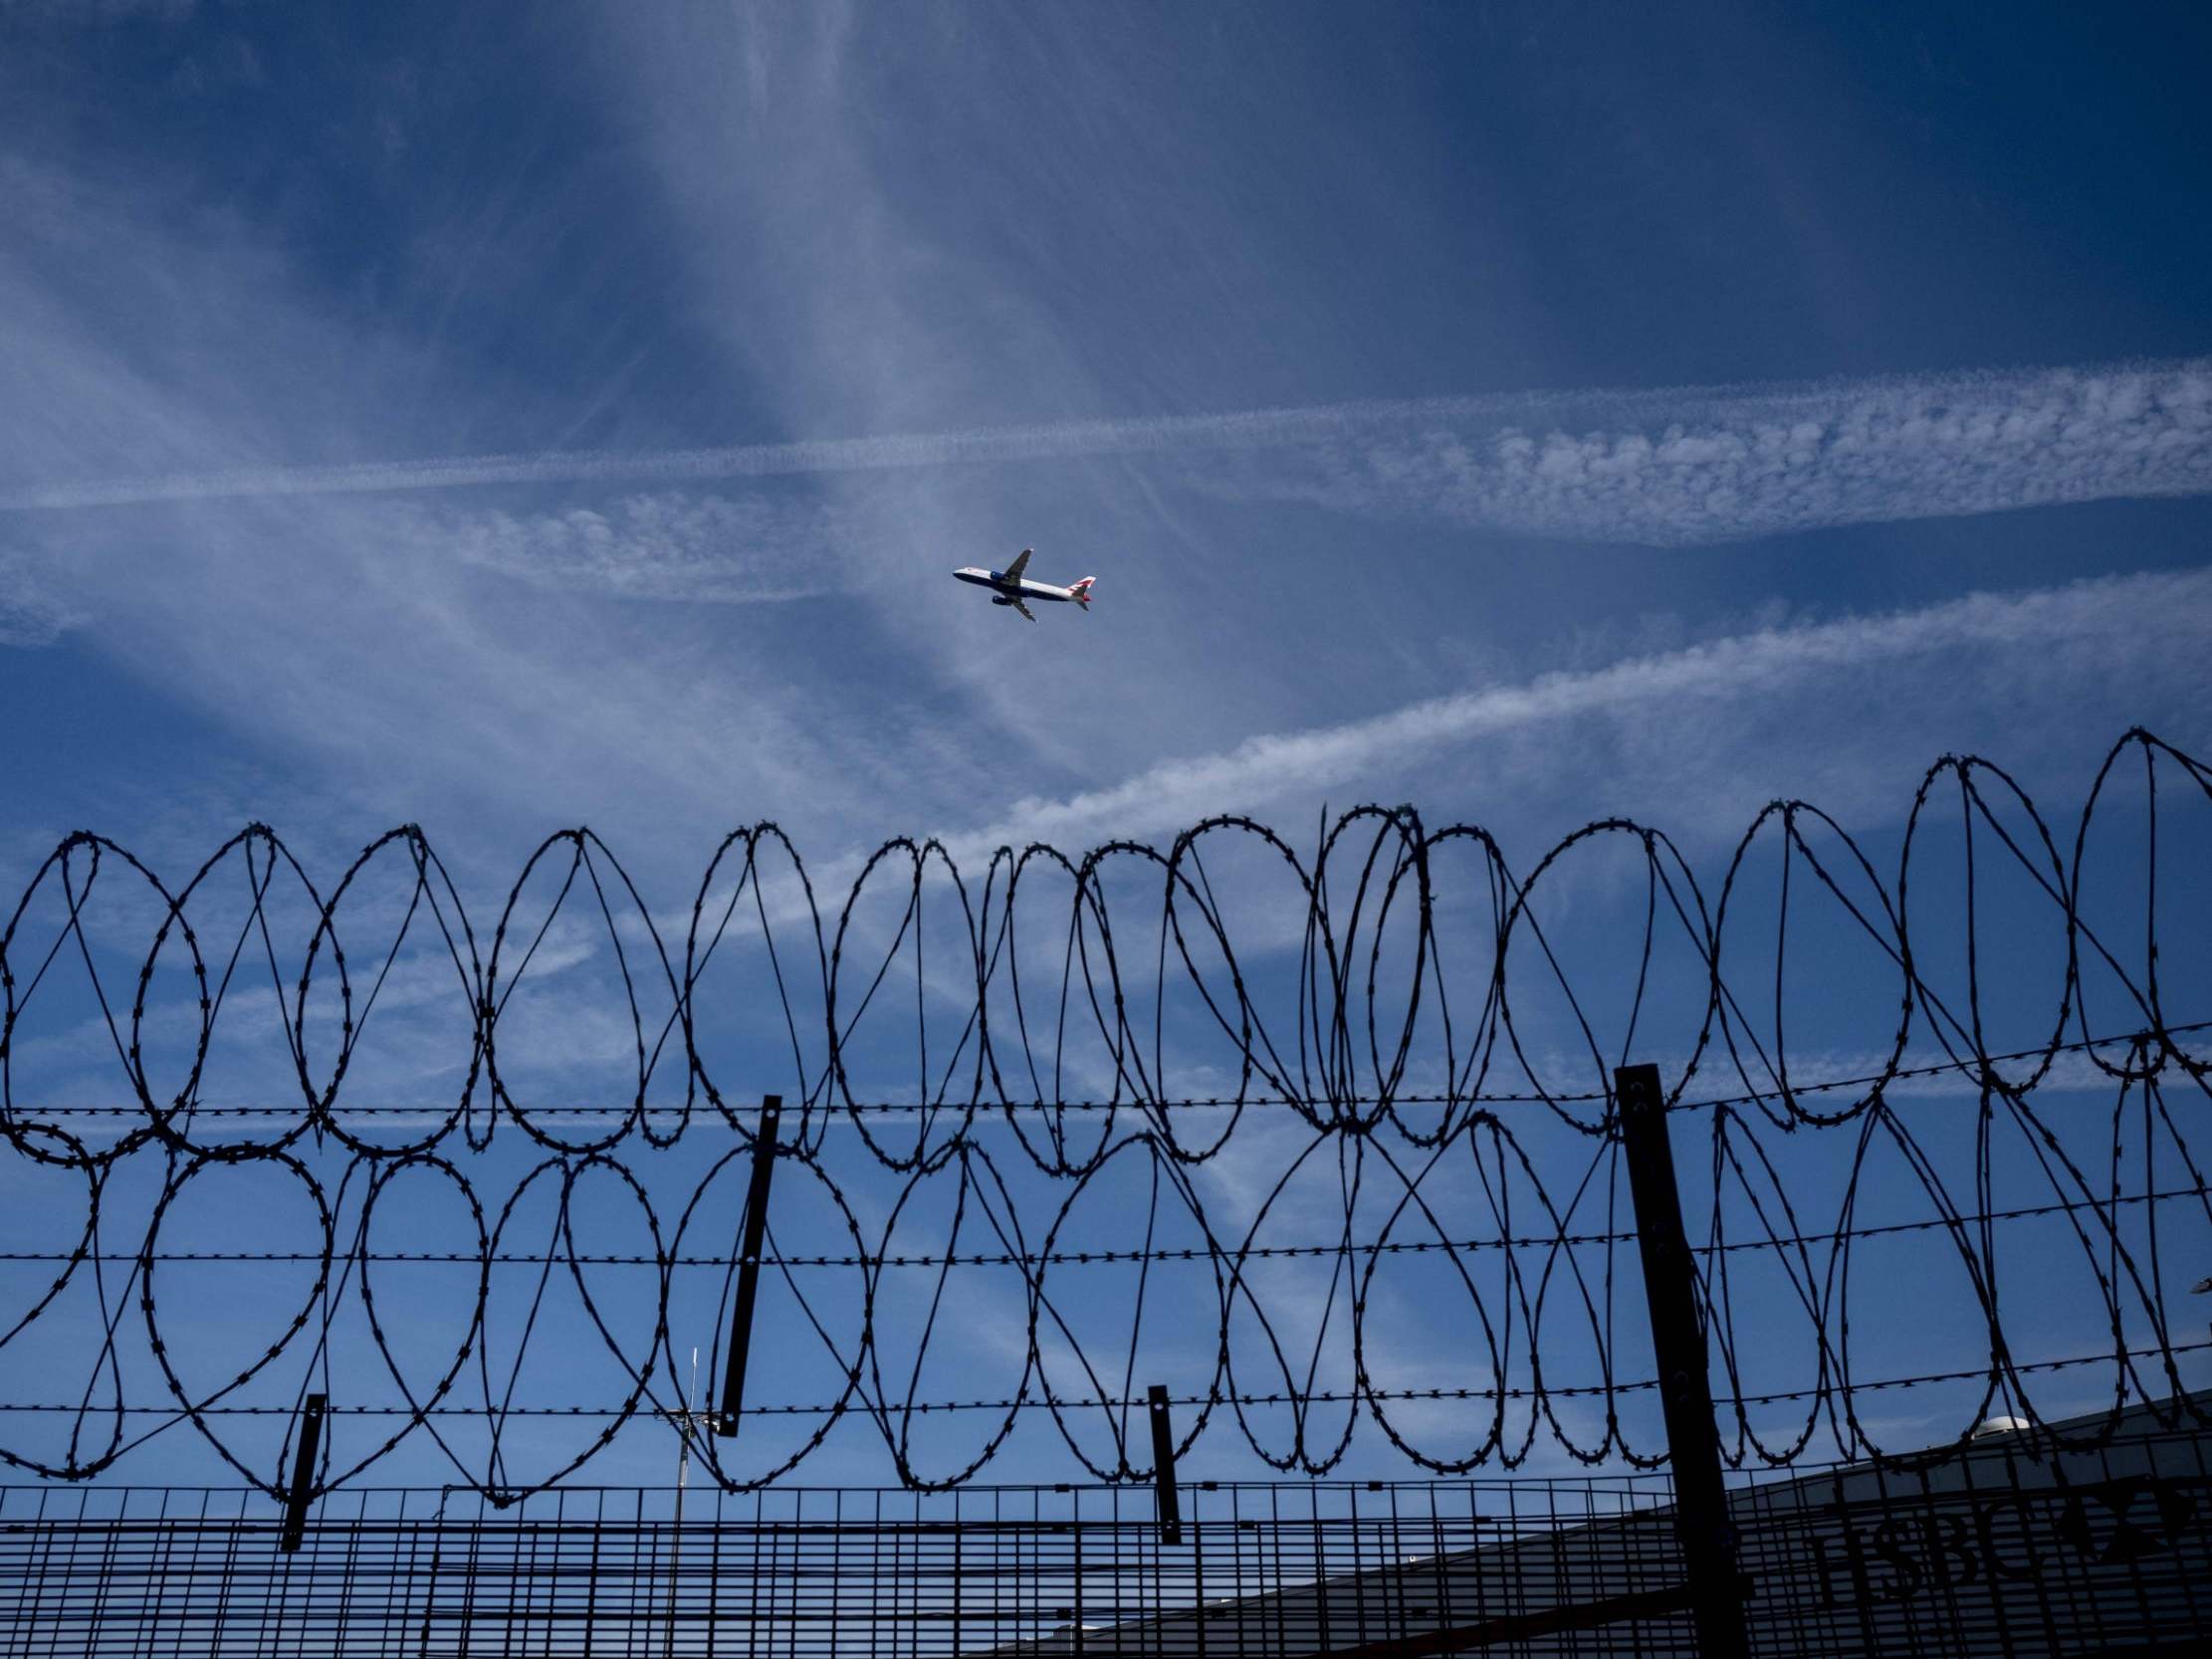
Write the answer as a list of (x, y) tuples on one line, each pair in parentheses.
[(1662, 467), (1248, 429), (2112, 617)]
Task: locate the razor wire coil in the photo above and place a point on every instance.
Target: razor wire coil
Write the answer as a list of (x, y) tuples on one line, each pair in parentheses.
[(1335, 1050)]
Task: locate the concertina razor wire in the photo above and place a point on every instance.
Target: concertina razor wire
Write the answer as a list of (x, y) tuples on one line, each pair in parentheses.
[(1381, 1028)]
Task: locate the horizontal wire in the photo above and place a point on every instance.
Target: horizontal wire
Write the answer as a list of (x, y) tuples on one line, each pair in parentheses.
[(1968, 1066), (1131, 1402), (1106, 1258)]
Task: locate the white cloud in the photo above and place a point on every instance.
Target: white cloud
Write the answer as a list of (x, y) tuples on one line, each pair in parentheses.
[(667, 545), (1064, 440), (1664, 467), (2094, 627), (32, 611), (1674, 468)]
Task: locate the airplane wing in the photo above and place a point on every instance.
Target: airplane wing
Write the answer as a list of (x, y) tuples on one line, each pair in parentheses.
[(1023, 609), (1013, 573)]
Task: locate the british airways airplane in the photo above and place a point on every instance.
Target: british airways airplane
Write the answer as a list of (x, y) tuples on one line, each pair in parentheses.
[(1008, 588)]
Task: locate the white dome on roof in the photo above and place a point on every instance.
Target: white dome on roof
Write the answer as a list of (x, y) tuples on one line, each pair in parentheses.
[(1998, 1425)]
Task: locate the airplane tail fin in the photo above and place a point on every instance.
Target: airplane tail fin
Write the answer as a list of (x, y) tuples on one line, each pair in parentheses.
[(1082, 590)]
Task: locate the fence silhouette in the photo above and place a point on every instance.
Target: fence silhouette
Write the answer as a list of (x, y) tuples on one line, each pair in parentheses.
[(1990, 1056), (2013, 1550)]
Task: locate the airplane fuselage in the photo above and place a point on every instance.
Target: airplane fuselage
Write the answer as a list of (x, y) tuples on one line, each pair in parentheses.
[(1020, 587), (1010, 587)]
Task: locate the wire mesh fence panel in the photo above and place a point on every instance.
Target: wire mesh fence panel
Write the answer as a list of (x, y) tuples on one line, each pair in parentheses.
[(2012, 1548), (1278, 1568)]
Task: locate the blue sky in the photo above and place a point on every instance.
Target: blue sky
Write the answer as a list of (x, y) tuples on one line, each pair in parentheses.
[(500, 419)]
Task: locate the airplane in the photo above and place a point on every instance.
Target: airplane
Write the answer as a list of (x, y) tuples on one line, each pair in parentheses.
[(1008, 588)]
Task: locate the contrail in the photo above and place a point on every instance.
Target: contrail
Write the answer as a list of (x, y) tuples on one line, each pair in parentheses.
[(2116, 615), (1666, 467), (1245, 429), (1675, 470)]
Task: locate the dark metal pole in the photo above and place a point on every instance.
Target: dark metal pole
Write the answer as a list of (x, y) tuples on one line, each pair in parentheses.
[(302, 1474), (1708, 1535), (1163, 1465), (748, 1264)]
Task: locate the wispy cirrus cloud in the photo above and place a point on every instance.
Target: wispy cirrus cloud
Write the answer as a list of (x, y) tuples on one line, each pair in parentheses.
[(668, 545), (1664, 467), (32, 611), (1678, 469), (1938, 654)]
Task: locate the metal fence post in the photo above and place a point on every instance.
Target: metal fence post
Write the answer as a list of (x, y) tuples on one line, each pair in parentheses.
[(1163, 1465), (1709, 1535), (748, 1265), (302, 1474)]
